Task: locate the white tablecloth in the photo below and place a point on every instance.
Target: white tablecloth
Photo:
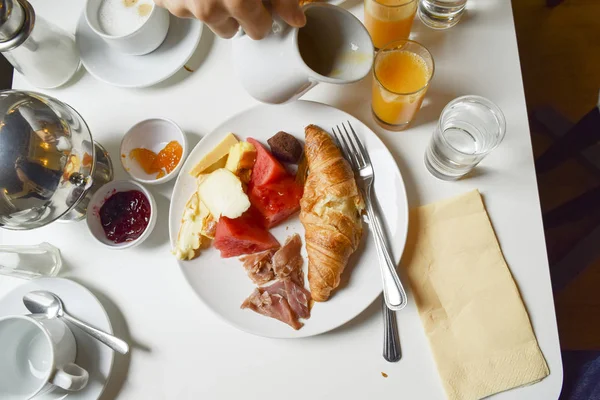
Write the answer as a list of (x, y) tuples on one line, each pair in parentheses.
[(181, 350)]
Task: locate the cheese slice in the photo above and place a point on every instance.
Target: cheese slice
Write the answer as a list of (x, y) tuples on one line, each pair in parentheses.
[(216, 158), (216, 165)]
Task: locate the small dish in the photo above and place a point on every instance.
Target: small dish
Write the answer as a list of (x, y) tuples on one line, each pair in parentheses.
[(100, 197), (152, 134)]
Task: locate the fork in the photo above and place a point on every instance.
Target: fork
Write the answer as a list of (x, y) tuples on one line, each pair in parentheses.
[(358, 157), (393, 293)]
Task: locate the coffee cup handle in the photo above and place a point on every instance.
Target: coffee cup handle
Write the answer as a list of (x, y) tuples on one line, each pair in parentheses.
[(70, 377)]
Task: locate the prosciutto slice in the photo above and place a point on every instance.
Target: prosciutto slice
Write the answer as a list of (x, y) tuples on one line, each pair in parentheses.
[(272, 305), (259, 266), (298, 298), (287, 261), (295, 295), (286, 299)]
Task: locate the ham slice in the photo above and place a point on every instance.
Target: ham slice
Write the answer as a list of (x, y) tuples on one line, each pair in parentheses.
[(297, 297), (287, 261), (286, 299), (259, 266), (272, 305)]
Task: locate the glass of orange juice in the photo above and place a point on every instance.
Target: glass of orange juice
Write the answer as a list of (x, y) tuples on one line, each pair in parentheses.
[(389, 20), (401, 74)]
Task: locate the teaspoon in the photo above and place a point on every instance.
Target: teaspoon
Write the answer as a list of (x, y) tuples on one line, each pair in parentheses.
[(51, 306)]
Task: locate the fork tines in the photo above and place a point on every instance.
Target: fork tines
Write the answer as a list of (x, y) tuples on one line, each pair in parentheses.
[(351, 146)]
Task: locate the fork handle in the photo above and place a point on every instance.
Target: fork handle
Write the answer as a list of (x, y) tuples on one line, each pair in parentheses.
[(391, 343), (393, 291)]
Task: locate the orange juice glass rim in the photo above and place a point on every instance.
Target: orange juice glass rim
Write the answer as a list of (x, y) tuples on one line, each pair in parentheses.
[(387, 48), (395, 5)]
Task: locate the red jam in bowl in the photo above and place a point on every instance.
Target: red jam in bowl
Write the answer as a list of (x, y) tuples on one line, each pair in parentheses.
[(125, 216)]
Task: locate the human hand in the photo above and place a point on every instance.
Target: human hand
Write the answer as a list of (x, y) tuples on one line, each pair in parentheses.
[(224, 17)]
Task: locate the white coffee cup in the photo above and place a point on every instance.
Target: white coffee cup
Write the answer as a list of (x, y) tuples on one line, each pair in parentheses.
[(36, 355), (142, 40)]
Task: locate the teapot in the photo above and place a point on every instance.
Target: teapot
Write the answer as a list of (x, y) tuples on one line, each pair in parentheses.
[(333, 47), (49, 164)]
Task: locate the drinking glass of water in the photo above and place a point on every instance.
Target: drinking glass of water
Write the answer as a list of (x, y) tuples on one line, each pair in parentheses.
[(30, 261), (469, 128), (441, 14)]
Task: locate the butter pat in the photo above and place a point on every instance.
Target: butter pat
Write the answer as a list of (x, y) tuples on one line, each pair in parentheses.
[(223, 194), (216, 158)]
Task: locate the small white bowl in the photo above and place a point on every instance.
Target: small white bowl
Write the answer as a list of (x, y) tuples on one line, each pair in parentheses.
[(152, 134), (103, 194)]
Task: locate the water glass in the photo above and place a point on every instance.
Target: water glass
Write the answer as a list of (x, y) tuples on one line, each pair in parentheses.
[(441, 14), (28, 262), (389, 20), (469, 128)]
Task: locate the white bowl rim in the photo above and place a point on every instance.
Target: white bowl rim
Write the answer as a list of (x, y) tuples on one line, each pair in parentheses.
[(170, 175), (102, 191)]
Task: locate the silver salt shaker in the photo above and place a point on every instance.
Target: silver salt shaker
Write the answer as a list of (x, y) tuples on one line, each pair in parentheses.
[(42, 52)]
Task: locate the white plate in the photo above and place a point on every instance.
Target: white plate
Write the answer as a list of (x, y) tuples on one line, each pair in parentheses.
[(124, 70), (223, 284), (92, 355)]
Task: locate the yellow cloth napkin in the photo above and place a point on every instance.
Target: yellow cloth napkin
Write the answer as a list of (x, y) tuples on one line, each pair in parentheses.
[(470, 307)]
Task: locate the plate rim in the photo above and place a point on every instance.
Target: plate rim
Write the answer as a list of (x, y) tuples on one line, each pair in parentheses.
[(81, 287), (81, 22), (234, 324)]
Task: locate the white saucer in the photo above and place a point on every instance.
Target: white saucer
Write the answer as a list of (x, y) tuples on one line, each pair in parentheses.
[(123, 70), (92, 355)]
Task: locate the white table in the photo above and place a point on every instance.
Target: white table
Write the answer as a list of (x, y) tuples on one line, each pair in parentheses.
[(182, 351)]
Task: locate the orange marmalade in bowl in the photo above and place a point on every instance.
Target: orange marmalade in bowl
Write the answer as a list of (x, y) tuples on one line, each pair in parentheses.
[(160, 164)]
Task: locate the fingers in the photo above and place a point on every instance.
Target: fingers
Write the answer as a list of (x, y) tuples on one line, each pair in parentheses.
[(178, 9), (215, 16), (181, 12), (290, 12), (226, 29), (252, 16), (225, 16), (208, 11)]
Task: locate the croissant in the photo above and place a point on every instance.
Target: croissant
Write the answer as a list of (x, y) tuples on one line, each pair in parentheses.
[(331, 210)]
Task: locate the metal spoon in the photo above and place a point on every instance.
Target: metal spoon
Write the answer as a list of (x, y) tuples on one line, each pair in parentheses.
[(49, 304)]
